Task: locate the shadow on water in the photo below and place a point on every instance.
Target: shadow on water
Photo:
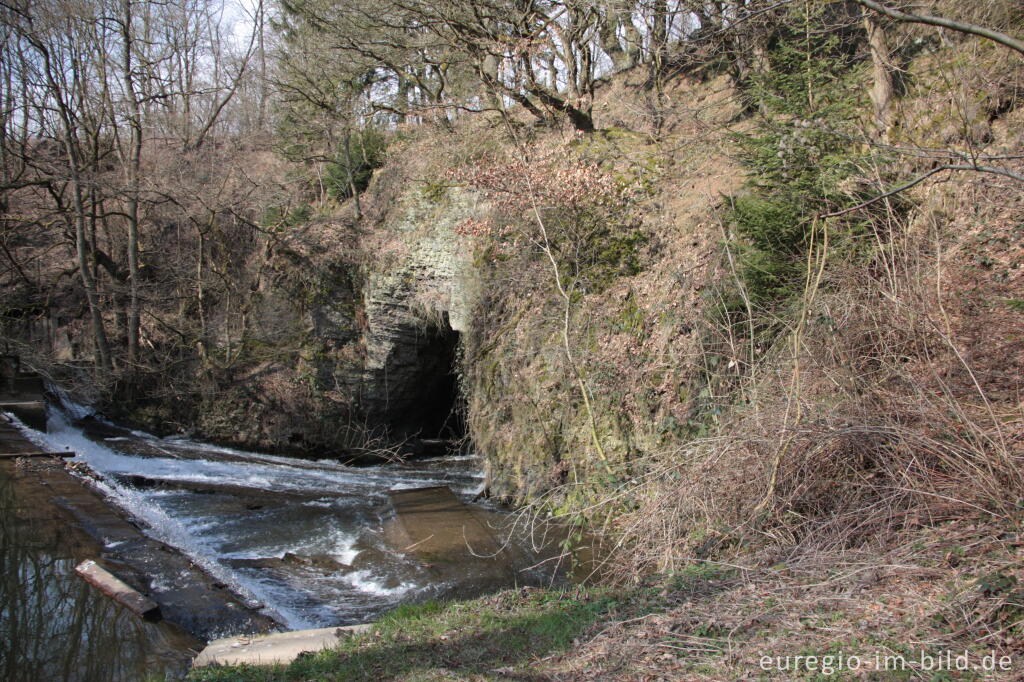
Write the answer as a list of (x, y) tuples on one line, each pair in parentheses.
[(53, 625)]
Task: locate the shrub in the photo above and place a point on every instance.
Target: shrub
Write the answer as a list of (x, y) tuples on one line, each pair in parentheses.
[(365, 154), (799, 154)]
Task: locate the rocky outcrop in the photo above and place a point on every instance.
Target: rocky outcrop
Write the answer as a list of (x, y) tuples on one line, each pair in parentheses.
[(416, 306), (373, 345), (343, 353)]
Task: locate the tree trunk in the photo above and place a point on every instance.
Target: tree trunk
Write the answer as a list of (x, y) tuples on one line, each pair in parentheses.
[(659, 31), (88, 283), (402, 98), (351, 175), (201, 296), (609, 37), (489, 76), (881, 87), (132, 168), (634, 41), (72, 154), (261, 27)]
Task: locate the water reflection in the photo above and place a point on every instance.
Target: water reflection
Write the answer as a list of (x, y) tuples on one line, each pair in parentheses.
[(54, 626)]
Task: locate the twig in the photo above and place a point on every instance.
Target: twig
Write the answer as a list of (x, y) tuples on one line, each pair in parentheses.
[(921, 178)]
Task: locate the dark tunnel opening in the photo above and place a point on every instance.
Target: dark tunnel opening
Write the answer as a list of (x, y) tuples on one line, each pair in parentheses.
[(440, 413), (433, 407)]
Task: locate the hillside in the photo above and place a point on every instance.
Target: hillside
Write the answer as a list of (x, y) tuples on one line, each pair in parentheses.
[(757, 337)]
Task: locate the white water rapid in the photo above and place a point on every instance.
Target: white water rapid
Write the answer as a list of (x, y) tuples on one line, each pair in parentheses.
[(303, 540)]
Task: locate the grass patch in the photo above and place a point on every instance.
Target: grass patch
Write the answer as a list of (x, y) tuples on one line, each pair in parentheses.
[(479, 639)]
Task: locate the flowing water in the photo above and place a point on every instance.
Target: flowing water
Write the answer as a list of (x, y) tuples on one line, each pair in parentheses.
[(307, 542)]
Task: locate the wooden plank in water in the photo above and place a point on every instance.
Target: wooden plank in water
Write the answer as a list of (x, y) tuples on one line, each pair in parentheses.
[(111, 586)]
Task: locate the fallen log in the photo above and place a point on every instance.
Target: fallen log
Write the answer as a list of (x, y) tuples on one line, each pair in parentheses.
[(37, 453), (111, 586)]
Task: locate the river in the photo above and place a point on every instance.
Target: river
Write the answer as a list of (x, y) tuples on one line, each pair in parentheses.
[(307, 543)]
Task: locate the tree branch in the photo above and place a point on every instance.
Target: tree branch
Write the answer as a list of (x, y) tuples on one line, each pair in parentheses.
[(962, 27), (921, 178)]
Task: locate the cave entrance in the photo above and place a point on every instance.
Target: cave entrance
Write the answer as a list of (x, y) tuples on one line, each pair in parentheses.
[(435, 414)]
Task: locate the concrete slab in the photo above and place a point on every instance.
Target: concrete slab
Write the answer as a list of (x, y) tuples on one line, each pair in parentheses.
[(439, 527), (23, 393), (282, 647), (187, 596), (23, 387)]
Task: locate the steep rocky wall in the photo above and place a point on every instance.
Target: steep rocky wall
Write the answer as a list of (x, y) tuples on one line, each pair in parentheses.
[(427, 274), (368, 345), (417, 296)]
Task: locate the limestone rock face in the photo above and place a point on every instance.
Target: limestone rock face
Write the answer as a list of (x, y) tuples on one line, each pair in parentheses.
[(415, 307)]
